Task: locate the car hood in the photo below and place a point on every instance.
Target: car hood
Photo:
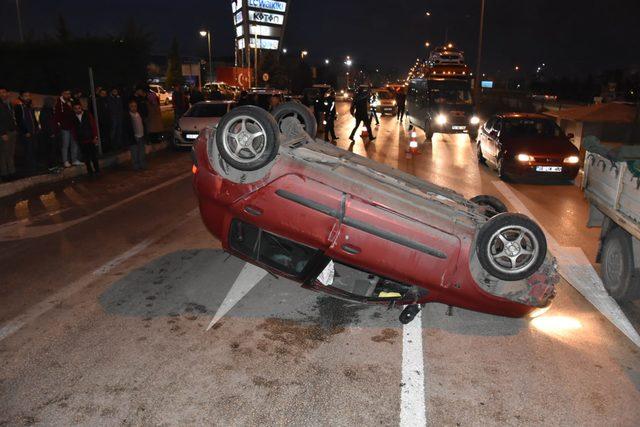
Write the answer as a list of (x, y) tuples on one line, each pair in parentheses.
[(535, 146), (196, 124)]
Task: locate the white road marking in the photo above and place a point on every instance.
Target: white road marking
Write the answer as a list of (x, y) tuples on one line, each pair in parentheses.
[(412, 397), (578, 271), (44, 306), (249, 276), (17, 231)]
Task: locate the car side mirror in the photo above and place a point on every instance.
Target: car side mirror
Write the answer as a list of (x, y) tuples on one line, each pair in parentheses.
[(570, 135)]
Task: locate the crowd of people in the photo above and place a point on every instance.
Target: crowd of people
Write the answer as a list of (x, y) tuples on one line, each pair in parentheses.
[(64, 133)]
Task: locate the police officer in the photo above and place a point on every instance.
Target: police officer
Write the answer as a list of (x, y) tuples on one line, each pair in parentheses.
[(330, 115), (360, 110)]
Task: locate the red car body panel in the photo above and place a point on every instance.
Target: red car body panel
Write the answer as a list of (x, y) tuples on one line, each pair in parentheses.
[(356, 216)]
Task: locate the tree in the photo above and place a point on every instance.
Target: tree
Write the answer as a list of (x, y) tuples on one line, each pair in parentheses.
[(174, 65)]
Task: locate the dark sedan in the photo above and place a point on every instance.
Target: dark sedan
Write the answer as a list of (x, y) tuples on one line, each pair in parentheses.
[(527, 145)]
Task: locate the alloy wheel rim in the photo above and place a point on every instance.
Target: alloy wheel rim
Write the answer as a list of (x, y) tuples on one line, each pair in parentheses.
[(244, 139), (512, 249)]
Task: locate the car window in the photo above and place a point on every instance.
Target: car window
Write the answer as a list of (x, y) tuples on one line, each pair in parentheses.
[(207, 110), (528, 127), (282, 254)]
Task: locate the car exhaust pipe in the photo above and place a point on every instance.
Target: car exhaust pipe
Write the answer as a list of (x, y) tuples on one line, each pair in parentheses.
[(409, 313)]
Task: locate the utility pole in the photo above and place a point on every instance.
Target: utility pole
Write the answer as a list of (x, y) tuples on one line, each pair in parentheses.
[(255, 57), (479, 58), (20, 33)]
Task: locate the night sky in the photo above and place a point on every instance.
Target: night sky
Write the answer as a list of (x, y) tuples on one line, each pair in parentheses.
[(570, 36)]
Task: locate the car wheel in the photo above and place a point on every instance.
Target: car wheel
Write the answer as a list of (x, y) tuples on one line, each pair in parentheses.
[(511, 246), (493, 205), (294, 118), (481, 158), (617, 266), (247, 138)]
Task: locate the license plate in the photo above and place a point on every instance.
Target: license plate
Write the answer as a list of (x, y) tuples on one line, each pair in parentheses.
[(548, 168), (191, 136), (458, 127)]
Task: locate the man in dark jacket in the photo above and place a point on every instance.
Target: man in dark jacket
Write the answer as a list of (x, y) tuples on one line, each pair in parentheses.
[(104, 119), (63, 111), (7, 136), (86, 133), (135, 136), (330, 115), (179, 101), (116, 109), (27, 130), (48, 132), (401, 99), (360, 110)]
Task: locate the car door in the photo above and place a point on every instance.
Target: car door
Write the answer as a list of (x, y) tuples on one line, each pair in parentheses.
[(391, 245), (494, 140), (484, 136)]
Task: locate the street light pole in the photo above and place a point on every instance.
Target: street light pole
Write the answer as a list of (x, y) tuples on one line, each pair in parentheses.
[(207, 34), (479, 59), (20, 33)]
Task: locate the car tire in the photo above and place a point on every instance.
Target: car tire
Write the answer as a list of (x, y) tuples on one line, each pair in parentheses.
[(618, 268), (511, 246), (481, 158), (494, 204), (247, 138), (306, 121)]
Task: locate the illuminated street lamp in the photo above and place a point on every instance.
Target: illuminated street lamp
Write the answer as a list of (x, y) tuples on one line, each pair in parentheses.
[(517, 68), (450, 45), (284, 50), (326, 61), (303, 54), (427, 13), (207, 34), (427, 44)]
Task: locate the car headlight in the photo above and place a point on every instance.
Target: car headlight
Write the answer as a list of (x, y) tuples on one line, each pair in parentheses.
[(572, 160), (525, 158), (475, 120), (441, 119)]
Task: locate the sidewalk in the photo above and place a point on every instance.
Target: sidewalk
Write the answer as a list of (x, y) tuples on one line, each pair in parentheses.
[(10, 188)]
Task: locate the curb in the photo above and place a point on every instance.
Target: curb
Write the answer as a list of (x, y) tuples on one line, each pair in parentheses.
[(11, 188)]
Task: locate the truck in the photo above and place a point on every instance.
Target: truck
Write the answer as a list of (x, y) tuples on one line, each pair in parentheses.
[(441, 101), (612, 188)]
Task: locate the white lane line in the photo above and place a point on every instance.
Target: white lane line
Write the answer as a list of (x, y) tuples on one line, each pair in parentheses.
[(412, 397), (578, 271), (19, 231), (249, 276), (44, 306)]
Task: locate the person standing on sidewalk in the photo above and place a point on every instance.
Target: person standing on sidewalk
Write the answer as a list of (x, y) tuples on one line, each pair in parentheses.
[(63, 112), (154, 117), (48, 132), (86, 133), (7, 137), (104, 119), (179, 101), (135, 136), (27, 130), (401, 99), (116, 109)]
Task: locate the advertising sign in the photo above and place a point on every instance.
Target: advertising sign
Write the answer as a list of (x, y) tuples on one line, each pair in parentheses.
[(234, 76), (268, 44), (266, 17), (276, 6)]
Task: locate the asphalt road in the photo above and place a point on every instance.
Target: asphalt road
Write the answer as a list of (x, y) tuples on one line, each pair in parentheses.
[(107, 288)]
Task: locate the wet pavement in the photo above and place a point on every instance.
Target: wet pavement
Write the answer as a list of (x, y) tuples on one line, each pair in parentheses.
[(107, 287)]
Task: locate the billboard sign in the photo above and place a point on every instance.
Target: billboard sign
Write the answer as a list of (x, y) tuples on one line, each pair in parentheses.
[(274, 5), (266, 17)]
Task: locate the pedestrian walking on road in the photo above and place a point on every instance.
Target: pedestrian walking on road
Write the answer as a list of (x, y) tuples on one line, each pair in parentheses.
[(48, 140), (116, 109), (86, 133), (401, 99), (374, 113), (27, 130), (63, 113), (7, 137), (135, 136), (360, 110), (330, 115)]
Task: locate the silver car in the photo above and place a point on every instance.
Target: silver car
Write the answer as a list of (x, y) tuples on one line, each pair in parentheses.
[(200, 116)]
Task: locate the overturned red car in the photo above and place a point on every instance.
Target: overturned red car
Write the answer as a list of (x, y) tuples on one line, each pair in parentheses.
[(356, 229)]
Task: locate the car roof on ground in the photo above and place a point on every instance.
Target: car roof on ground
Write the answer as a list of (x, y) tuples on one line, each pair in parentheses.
[(517, 115)]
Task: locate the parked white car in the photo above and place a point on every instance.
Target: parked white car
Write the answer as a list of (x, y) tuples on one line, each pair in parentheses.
[(164, 96), (197, 118)]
